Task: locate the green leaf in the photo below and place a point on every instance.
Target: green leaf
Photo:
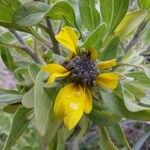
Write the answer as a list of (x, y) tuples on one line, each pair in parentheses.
[(116, 105), (113, 12), (7, 9), (10, 98), (30, 13), (147, 70), (7, 58), (140, 80), (138, 92), (145, 101), (75, 5), (131, 57), (12, 108), (103, 118), (6, 38), (62, 136), (105, 141), (130, 22), (129, 99), (33, 70), (62, 10), (89, 15), (28, 99), (118, 135), (43, 103), (7, 16), (96, 38), (19, 123), (110, 52), (131, 104), (22, 76), (144, 4)]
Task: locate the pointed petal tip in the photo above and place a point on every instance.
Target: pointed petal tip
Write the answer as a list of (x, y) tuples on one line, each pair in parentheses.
[(68, 38)]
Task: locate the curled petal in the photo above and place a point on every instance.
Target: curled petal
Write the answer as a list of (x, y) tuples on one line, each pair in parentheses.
[(54, 76), (54, 68), (68, 38), (69, 104), (107, 64), (108, 80), (55, 71)]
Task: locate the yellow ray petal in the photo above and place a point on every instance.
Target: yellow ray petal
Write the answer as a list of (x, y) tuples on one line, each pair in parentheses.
[(71, 120), (88, 101), (55, 71), (108, 80), (68, 38), (54, 76), (69, 104), (54, 68), (107, 64)]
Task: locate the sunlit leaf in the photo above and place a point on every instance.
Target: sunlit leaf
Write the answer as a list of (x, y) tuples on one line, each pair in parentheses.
[(130, 22), (113, 12)]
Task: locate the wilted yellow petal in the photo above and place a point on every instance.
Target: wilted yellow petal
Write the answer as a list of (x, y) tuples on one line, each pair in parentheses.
[(68, 38), (108, 80), (55, 71), (107, 64), (88, 101), (54, 68), (69, 104), (54, 76)]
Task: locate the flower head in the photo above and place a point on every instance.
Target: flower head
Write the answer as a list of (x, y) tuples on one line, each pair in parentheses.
[(83, 72)]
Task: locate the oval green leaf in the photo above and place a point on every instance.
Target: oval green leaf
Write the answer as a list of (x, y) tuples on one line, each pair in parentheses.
[(30, 13), (62, 10)]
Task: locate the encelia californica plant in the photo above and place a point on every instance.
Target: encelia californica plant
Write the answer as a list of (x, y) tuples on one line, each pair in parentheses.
[(77, 64)]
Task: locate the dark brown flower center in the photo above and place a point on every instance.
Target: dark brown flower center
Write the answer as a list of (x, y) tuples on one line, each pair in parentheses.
[(83, 70)]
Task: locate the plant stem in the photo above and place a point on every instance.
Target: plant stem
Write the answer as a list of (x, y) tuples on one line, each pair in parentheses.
[(40, 38), (52, 36), (24, 46)]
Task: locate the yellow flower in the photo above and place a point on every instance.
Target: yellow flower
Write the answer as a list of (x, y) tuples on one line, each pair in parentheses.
[(75, 99)]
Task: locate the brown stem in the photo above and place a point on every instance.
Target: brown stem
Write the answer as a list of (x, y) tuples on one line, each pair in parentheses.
[(51, 33)]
